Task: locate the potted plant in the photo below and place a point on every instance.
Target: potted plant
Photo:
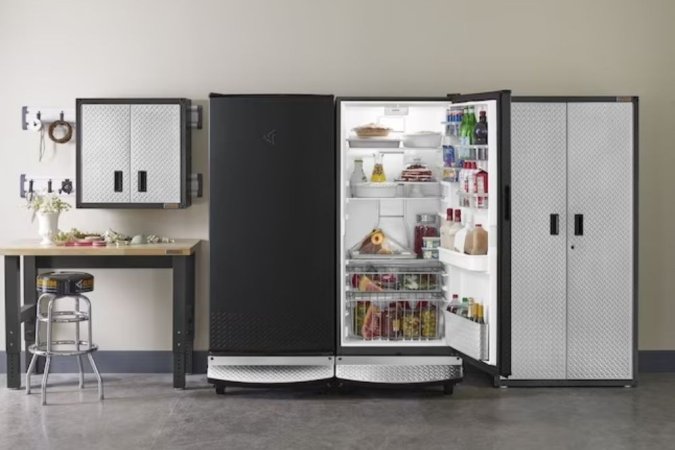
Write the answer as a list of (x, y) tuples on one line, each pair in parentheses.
[(47, 208)]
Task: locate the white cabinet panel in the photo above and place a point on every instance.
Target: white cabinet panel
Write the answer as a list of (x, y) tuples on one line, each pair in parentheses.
[(156, 153), (600, 261), (104, 132), (538, 280)]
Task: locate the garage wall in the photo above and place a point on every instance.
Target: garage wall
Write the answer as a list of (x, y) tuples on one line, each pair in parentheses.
[(53, 52)]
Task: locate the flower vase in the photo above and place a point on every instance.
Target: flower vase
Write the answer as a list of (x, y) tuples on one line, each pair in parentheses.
[(48, 227)]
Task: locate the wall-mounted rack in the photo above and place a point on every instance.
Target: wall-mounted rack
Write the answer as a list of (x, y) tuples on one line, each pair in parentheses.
[(45, 185), (32, 117)]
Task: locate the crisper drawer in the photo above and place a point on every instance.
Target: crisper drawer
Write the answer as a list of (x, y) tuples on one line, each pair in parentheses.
[(466, 336), (395, 317)]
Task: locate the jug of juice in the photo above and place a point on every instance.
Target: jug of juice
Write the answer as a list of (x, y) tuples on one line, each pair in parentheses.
[(378, 170)]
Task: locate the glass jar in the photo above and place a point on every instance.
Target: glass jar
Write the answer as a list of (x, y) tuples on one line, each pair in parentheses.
[(426, 226), (358, 176), (378, 175)]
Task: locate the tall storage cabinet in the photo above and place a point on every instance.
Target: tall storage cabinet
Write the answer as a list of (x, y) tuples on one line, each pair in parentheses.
[(133, 153), (574, 233)]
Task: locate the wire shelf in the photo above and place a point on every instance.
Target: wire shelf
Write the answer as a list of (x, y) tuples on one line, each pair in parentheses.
[(395, 316), (372, 279)]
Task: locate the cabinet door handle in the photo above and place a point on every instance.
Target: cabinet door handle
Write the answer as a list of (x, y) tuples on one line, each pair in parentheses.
[(119, 181), (142, 181), (578, 224), (554, 224)]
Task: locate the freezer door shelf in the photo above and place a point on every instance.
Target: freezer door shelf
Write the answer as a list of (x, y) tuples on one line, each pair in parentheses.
[(399, 369), (270, 369)]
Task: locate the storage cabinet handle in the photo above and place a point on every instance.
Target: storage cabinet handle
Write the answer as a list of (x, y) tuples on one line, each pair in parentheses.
[(578, 224), (142, 181), (119, 181), (507, 203), (555, 225)]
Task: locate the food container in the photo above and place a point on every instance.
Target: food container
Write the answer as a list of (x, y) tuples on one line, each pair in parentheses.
[(372, 130), (373, 142), (374, 190), (430, 253), (429, 242), (422, 139)]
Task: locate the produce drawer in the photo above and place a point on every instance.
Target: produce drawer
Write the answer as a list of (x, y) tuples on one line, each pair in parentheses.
[(395, 317), (470, 338)]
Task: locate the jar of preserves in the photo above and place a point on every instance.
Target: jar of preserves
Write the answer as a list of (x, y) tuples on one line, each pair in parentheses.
[(426, 226)]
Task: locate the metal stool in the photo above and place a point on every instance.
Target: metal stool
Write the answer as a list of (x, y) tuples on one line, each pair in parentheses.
[(55, 286)]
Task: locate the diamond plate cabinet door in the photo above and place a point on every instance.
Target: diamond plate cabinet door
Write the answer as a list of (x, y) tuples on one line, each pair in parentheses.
[(156, 153), (538, 254), (600, 247), (104, 153)]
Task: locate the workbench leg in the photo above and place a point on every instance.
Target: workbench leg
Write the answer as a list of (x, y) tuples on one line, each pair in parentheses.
[(29, 299), (191, 297), (13, 321), (180, 298)]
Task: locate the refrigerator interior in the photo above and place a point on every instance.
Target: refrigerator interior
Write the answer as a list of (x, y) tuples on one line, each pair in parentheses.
[(412, 295)]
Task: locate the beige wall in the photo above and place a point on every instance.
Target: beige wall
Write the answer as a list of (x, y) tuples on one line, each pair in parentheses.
[(52, 52)]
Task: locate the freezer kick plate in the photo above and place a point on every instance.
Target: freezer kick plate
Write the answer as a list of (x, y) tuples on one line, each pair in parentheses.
[(399, 369), (270, 369)]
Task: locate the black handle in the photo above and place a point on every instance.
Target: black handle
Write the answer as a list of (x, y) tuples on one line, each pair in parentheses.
[(507, 203), (119, 181), (555, 225), (578, 224), (142, 181)]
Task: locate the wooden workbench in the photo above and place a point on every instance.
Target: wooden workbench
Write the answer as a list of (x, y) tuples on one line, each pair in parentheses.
[(178, 256)]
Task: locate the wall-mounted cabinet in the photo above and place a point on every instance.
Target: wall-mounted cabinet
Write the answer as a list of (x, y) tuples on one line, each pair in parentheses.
[(133, 153)]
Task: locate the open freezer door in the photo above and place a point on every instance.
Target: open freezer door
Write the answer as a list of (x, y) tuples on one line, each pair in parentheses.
[(478, 287)]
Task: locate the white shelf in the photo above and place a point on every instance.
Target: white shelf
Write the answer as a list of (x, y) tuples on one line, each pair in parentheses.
[(473, 263), (364, 199), (392, 149)]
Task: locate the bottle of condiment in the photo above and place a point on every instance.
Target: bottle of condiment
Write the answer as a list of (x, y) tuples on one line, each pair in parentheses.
[(454, 305), (460, 236), (378, 170), (464, 308), (426, 226), (447, 241), (358, 175), (480, 130), (476, 241)]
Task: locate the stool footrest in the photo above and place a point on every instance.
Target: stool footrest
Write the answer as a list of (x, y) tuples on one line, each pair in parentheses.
[(65, 317), (58, 350)]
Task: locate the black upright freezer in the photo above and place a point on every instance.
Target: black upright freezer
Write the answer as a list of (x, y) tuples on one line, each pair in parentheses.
[(272, 233)]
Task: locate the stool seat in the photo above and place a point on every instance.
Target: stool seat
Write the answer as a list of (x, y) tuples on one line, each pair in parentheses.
[(65, 283)]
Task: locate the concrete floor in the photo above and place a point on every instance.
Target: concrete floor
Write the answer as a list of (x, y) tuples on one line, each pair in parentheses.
[(143, 411)]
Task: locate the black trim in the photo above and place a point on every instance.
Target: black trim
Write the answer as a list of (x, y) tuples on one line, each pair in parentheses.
[(186, 152), (578, 224), (636, 231), (142, 181), (554, 225), (572, 99)]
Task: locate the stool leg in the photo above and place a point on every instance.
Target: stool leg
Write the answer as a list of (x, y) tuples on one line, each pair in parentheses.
[(29, 372), (77, 343), (50, 309), (98, 376), (91, 357), (44, 380)]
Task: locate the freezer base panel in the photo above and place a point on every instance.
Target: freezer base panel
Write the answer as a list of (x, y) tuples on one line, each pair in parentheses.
[(399, 369), (265, 370)]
